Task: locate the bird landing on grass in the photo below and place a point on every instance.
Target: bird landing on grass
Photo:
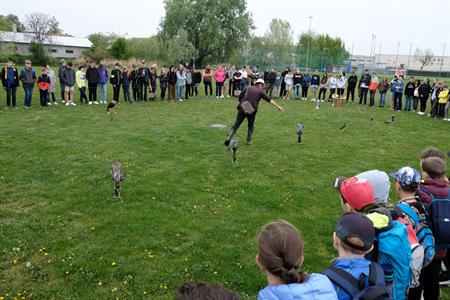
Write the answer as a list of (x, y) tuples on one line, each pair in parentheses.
[(117, 176), (299, 128), (233, 146), (110, 109)]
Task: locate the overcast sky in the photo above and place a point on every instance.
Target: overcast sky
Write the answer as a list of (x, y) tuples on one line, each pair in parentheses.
[(424, 23)]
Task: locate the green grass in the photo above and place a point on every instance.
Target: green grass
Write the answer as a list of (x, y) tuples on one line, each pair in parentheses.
[(186, 213)]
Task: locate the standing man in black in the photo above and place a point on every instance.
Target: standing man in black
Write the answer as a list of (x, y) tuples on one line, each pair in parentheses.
[(116, 79), (351, 85), (144, 75), (283, 84), (134, 77), (365, 83), (252, 95), (92, 79)]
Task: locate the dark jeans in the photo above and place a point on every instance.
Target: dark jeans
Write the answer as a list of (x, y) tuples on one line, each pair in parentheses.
[(305, 91), (322, 92), (126, 93), (340, 92), (423, 104), (163, 89), (331, 93), (116, 92), (398, 101), (83, 95), (351, 91), (188, 92), (429, 282), (43, 97), (11, 95), (372, 98), (92, 92), (441, 110), (208, 85), (219, 88), (230, 87), (135, 89), (143, 87), (415, 103), (28, 95), (283, 89), (241, 116), (363, 98), (63, 89)]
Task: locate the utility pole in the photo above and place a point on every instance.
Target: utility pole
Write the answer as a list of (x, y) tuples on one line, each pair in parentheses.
[(379, 56), (396, 56), (442, 61), (409, 56), (309, 41)]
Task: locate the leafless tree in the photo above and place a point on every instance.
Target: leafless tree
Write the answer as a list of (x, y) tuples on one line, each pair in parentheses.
[(425, 57), (41, 26)]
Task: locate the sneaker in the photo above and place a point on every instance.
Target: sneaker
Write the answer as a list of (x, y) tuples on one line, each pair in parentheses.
[(63, 101), (228, 96), (7, 107), (322, 100), (90, 102), (73, 104), (180, 100), (67, 104), (16, 107), (444, 278), (55, 103), (95, 102), (445, 119), (49, 103)]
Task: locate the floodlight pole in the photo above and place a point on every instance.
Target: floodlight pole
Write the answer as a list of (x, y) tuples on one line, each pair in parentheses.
[(309, 41), (442, 61), (409, 56), (396, 56)]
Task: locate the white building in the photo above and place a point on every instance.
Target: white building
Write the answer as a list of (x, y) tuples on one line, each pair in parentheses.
[(56, 46), (393, 61)]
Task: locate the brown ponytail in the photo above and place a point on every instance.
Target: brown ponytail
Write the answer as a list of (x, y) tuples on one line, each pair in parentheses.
[(281, 251)]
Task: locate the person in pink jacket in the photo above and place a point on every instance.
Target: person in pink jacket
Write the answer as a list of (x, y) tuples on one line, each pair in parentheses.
[(219, 76)]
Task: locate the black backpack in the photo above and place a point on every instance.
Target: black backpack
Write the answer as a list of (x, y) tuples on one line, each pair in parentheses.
[(357, 289)]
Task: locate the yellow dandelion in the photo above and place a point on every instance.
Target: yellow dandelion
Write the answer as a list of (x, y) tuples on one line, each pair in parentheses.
[(100, 283), (113, 264)]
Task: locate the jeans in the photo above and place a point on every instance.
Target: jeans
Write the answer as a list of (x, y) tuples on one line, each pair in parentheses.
[(126, 93), (322, 91), (363, 98), (83, 95), (28, 95), (350, 91), (116, 92), (243, 85), (11, 95), (219, 87), (179, 92), (297, 91), (408, 103), (208, 85), (332, 91), (305, 91), (398, 101), (382, 99), (372, 98), (92, 93), (63, 89), (102, 91)]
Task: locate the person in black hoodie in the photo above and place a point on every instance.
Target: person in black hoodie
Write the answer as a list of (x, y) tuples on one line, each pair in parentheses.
[(409, 93), (43, 93), (416, 95), (365, 83), (134, 78), (172, 79), (196, 80), (283, 84), (144, 73), (424, 93), (315, 81), (92, 79), (116, 79), (351, 85)]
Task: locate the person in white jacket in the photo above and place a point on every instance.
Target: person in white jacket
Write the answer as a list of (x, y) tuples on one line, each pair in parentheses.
[(289, 81), (333, 85), (341, 84)]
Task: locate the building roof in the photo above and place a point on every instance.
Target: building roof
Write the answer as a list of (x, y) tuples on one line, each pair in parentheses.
[(55, 40)]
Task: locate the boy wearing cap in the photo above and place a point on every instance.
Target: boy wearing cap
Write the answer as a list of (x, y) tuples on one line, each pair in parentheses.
[(353, 238)]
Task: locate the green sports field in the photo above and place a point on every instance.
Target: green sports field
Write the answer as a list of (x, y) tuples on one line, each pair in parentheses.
[(187, 214)]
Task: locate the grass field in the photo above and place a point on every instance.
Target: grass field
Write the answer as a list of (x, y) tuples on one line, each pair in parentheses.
[(186, 213)]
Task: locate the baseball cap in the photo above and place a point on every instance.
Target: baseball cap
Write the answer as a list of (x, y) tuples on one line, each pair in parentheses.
[(355, 224), (379, 181), (259, 81), (406, 176), (357, 192)]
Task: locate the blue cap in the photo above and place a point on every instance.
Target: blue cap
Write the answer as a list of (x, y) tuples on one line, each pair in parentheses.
[(407, 176)]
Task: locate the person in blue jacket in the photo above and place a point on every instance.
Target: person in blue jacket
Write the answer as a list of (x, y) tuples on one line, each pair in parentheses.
[(280, 256), (306, 81)]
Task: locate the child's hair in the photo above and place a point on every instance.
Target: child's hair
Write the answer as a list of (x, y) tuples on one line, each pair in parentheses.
[(431, 152), (281, 251), (401, 76), (69, 64), (204, 291), (80, 67), (434, 167)]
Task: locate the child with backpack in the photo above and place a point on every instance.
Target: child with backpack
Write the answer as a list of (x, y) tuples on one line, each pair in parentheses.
[(280, 256), (434, 194), (392, 249), (352, 275)]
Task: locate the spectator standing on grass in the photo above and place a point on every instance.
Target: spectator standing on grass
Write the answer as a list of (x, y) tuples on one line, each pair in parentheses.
[(172, 80), (254, 75), (442, 102), (437, 87), (125, 80), (80, 76), (51, 91), (297, 81), (92, 77), (373, 88), (416, 95), (280, 257), (333, 86), (134, 78), (237, 77), (102, 83), (68, 78), (283, 84), (392, 90), (181, 81), (207, 80), (152, 79), (187, 92), (163, 83), (351, 85), (409, 93), (323, 87), (398, 93), (364, 87), (341, 85), (306, 81), (424, 94), (383, 87), (144, 73), (288, 83), (278, 85), (115, 80), (61, 68), (245, 77), (43, 92), (230, 75), (196, 80), (28, 78), (315, 82), (271, 78), (219, 77), (10, 82)]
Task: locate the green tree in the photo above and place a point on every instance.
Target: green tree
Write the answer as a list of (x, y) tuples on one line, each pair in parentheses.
[(119, 49), (278, 43), (38, 55), (146, 48), (100, 44), (6, 23), (215, 28)]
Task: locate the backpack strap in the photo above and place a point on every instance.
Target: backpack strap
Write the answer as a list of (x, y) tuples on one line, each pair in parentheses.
[(343, 279), (426, 191), (376, 279)]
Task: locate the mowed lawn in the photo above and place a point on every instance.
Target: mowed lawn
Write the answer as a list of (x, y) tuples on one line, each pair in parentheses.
[(187, 214)]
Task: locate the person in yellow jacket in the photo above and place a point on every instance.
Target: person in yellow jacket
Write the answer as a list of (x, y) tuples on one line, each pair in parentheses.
[(81, 83), (442, 102)]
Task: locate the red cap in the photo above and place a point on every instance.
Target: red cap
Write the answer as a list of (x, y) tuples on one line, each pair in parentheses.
[(357, 192)]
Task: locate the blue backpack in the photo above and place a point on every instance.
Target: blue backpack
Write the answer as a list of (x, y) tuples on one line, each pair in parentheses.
[(374, 289), (394, 250), (439, 211), (423, 231)]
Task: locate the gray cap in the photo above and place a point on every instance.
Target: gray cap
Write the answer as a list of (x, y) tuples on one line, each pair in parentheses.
[(379, 180)]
